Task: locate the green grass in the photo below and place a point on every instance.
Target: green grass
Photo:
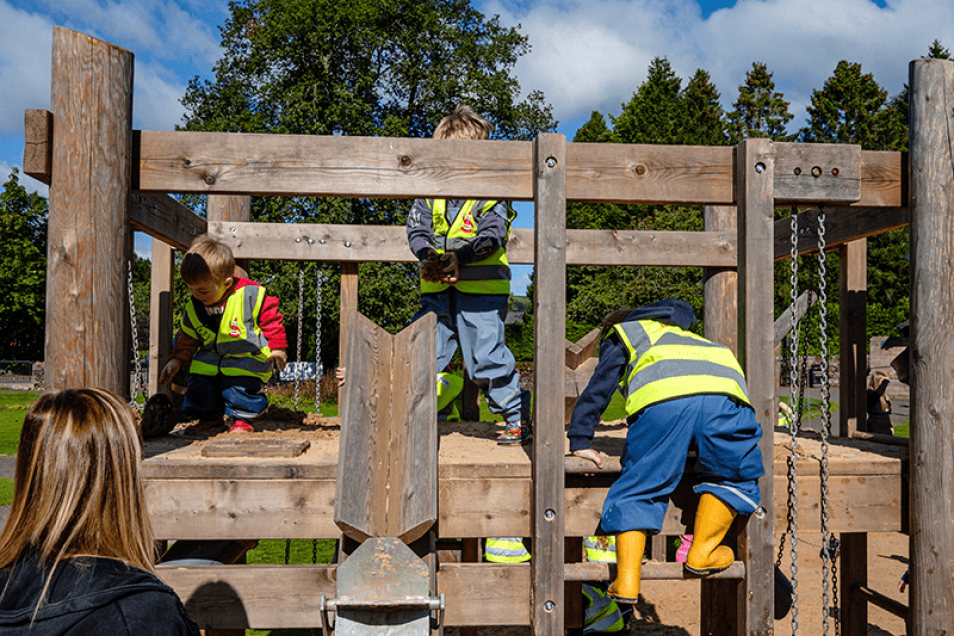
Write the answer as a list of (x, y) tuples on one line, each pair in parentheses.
[(6, 491), (272, 552), (13, 407)]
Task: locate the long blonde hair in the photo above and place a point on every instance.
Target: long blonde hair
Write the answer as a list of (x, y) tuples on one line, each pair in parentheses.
[(874, 382), (78, 488)]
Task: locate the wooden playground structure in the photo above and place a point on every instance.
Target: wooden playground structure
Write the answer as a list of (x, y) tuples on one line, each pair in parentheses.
[(108, 180)]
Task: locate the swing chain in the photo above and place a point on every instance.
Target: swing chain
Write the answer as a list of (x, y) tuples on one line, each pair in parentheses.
[(136, 384), (319, 370), (796, 388), (827, 560), (834, 548), (301, 304)]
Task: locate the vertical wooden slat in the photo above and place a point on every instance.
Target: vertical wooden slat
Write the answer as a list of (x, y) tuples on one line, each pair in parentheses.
[(719, 605), (87, 317), (549, 195), (755, 167), (932, 341), (349, 307), (160, 312), (853, 353), (223, 207), (853, 571)]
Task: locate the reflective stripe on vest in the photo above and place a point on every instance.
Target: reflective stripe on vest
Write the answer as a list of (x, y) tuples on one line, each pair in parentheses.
[(600, 549), (602, 613), (666, 362), (239, 347), (506, 550), (489, 275)]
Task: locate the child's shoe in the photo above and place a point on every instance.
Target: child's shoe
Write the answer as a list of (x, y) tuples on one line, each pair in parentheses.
[(683, 550), (515, 433), (240, 426)]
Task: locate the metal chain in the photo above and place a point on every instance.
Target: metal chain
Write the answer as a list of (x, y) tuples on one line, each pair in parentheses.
[(136, 384), (834, 547), (319, 370), (793, 378), (287, 551), (301, 304), (314, 550), (826, 421)]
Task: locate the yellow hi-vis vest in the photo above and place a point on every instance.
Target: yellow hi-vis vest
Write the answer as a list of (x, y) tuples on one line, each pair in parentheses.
[(600, 549), (601, 614), (239, 347), (505, 550), (666, 362), (489, 275), (449, 387)]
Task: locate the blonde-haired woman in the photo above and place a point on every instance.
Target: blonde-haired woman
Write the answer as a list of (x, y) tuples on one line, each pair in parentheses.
[(77, 552)]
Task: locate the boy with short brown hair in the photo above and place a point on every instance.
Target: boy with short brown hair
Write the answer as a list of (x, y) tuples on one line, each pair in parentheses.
[(232, 335)]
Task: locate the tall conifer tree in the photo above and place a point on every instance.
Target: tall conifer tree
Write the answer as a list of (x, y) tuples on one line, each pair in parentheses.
[(705, 120), (760, 110)]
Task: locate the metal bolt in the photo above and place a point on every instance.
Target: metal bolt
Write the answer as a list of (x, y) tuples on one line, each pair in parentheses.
[(347, 243), (798, 170), (310, 241), (549, 606), (834, 171), (234, 231), (551, 162), (760, 512), (722, 238), (816, 172), (322, 241), (549, 514), (760, 167), (298, 240)]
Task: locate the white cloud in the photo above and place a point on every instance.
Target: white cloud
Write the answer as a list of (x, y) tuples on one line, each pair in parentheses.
[(24, 65), (593, 54), (156, 98), (29, 183)]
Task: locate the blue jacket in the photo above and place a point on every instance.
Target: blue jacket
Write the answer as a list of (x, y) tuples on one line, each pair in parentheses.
[(89, 595)]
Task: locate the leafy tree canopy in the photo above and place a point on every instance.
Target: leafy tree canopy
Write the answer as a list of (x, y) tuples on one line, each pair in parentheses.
[(23, 234), (760, 111)]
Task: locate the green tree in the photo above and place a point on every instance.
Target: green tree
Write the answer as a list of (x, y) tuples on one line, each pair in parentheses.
[(705, 120), (23, 234), (852, 109), (656, 112), (899, 103), (760, 110), (369, 68)]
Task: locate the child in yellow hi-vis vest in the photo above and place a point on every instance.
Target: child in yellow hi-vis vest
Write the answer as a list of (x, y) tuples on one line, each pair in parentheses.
[(681, 390), (465, 282)]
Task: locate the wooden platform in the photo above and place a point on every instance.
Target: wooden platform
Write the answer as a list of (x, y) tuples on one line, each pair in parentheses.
[(484, 490)]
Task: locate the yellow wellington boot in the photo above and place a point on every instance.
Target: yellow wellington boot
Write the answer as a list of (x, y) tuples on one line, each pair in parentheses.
[(630, 547), (706, 555)]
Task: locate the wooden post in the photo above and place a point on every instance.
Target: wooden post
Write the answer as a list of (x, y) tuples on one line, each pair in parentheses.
[(931, 171), (160, 312), (755, 168), (87, 313), (231, 208), (719, 604), (548, 507), (349, 307), (853, 300)]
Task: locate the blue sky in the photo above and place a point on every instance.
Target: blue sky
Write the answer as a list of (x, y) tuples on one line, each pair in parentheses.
[(586, 54)]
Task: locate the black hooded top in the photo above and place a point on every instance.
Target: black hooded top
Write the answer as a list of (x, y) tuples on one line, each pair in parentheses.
[(89, 595)]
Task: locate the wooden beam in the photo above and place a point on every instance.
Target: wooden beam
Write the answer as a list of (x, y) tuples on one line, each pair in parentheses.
[(160, 313), (38, 145), (817, 172), (853, 340), (651, 571), (755, 165), (163, 218), (348, 309), (87, 319), (783, 324), (361, 243), (229, 209), (719, 605), (842, 225), (932, 303), (548, 510), (387, 463)]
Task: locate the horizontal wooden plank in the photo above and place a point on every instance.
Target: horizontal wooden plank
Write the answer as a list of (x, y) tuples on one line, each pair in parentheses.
[(635, 173), (256, 447), (326, 165), (361, 243), (651, 571), (162, 217), (817, 172), (485, 593), (241, 509), (842, 225), (38, 145), (856, 503), (884, 177)]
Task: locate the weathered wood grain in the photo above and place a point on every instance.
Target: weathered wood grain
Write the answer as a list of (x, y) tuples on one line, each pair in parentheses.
[(842, 225), (549, 329), (256, 447), (162, 217), (160, 312), (932, 346), (853, 345), (755, 162), (817, 172), (87, 319), (38, 145)]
